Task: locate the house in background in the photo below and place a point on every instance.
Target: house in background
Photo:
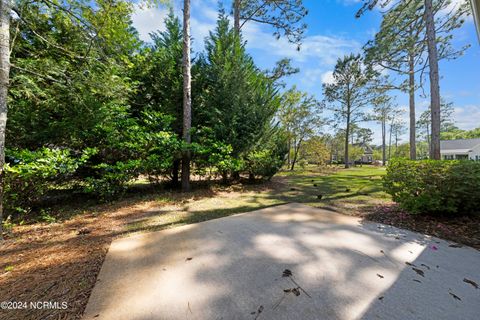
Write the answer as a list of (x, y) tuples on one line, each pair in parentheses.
[(367, 156), (461, 149)]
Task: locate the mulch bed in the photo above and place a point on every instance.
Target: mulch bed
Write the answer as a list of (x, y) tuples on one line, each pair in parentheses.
[(461, 229), (58, 262)]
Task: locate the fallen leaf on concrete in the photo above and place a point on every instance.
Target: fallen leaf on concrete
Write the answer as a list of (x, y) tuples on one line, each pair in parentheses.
[(419, 272), (287, 273), (380, 298), (188, 259), (410, 264), (455, 296), (296, 291), (380, 276), (416, 280), (424, 265), (455, 245), (260, 309), (473, 283)]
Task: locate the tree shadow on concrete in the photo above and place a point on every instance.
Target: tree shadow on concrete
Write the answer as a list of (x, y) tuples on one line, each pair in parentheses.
[(233, 268)]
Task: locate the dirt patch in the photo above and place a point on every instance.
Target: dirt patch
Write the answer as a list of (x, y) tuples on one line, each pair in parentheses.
[(461, 229)]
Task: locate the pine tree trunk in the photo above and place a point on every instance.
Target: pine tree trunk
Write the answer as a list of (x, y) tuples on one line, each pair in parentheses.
[(390, 143), (411, 92), (187, 96), (384, 146), (175, 172), (236, 16), (347, 132), (434, 81), (5, 8), (428, 140)]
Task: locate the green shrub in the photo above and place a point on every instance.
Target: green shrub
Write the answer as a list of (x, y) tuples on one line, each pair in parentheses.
[(29, 175), (434, 186), (269, 156), (262, 163), (111, 180)]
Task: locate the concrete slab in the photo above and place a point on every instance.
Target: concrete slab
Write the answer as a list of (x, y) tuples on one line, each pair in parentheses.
[(231, 268)]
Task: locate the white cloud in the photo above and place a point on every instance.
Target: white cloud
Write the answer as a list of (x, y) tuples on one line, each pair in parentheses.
[(467, 117), (148, 19), (323, 49), (327, 77)]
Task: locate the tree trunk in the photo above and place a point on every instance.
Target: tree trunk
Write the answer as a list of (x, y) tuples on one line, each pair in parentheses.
[(390, 142), (434, 81), (289, 150), (5, 8), (175, 172), (384, 146), (295, 155), (428, 139), (187, 96), (347, 132), (411, 92), (236, 16)]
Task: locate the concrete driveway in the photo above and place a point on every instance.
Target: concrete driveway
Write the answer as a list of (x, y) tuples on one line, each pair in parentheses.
[(286, 262)]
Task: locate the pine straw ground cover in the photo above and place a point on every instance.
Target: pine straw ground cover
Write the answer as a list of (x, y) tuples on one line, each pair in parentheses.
[(460, 229), (60, 261)]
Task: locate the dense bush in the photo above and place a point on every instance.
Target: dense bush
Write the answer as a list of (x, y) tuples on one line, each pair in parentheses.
[(95, 122), (269, 156), (29, 175), (434, 186)]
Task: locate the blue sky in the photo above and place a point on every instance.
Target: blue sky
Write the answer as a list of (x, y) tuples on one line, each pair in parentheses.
[(333, 31)]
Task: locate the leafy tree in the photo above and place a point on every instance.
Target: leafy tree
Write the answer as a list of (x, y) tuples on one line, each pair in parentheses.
[(68, 64), (235, 99), (158, 72), (383, 111), (316, 150), (397, 128), (355, 153), (401, 45), (424, 123), (432, 31), (285, 16), (364, 135), (300, 116), (349, 94), (461, 134)]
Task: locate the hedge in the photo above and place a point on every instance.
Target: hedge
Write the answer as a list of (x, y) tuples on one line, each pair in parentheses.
[(434, 186)]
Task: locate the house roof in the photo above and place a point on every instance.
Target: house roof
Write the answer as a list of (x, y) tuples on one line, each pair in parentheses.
[(460, 144), (366, 148)]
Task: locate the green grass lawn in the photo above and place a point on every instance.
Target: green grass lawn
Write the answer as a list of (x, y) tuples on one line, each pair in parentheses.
[(349, 191)]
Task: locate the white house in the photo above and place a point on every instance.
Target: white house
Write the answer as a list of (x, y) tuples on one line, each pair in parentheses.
[(461, 149)]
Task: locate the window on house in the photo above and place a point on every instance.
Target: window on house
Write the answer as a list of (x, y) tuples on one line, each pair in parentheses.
[(461, 156)]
